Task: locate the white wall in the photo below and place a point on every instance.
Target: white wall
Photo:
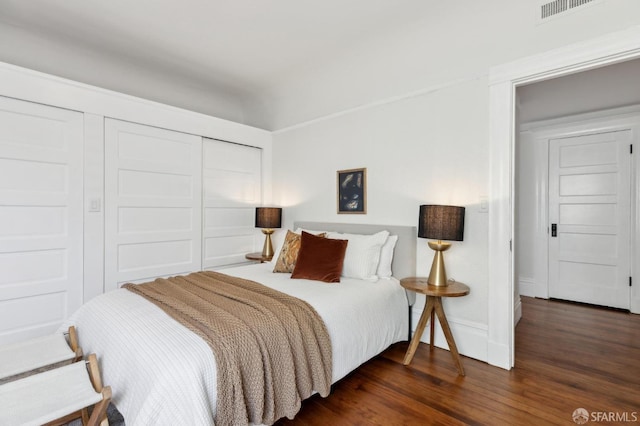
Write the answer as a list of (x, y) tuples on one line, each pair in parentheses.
[(531, 216), (457, 40), (416, 151), (599, 89), (421, 128)]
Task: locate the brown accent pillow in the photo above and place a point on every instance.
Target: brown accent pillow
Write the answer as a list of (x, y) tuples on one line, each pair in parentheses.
[(289, 252), (320, 259)]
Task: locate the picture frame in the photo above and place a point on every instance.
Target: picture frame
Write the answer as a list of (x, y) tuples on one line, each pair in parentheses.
[(352, 191)]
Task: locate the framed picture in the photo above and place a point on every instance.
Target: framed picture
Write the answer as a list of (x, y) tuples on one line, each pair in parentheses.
[(352, 191)]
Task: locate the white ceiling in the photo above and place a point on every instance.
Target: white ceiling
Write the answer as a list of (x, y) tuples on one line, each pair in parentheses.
[(235, 48), (275, 63)]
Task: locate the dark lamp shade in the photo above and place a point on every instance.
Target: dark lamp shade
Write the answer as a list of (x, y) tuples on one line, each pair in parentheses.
[(441, 222), (268, 217)]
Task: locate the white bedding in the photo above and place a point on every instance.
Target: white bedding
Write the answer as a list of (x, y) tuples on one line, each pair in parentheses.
[(163, 374)]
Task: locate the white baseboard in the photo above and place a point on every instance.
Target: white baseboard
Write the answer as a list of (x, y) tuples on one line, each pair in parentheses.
[(470, 337), (527, 287), (517, 311), (498, 355)]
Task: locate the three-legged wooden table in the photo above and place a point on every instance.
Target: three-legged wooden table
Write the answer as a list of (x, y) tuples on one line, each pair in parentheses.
[(434, 307)]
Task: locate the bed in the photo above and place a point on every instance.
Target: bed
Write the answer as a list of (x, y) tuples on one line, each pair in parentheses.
[(162, 373)]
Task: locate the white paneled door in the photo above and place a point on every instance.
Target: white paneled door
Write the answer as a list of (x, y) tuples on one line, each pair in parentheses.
[(589, 217), (232, 190), (41, 214), (153, 208)]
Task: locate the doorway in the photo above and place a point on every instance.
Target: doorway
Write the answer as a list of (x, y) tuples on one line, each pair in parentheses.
[(574, 207), (504, 79)]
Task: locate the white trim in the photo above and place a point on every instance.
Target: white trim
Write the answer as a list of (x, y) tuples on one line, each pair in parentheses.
[(93, 220), (634, 305), (500, 291), (609, 49), (527, 287), (499, 354), (22, 83), (374, 104), (622, 113), (601, 51), (517, 311), (470, 336)]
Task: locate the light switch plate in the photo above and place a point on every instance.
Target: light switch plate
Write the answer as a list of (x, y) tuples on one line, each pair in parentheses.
[(95, 205), (483, 206)]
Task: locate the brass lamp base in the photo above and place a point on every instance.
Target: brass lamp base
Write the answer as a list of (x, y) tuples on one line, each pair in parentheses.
[(267, 249), (438, 275)]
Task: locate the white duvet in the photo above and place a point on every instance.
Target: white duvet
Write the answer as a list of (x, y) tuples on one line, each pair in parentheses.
[(163, 374)]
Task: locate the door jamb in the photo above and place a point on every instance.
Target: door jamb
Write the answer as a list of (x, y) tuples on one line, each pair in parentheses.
[(541, 132), (503, 80)]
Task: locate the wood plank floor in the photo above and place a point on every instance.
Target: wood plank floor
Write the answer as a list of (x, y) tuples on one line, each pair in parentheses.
[(568, 356)]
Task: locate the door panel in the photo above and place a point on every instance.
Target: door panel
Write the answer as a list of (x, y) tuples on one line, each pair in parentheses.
[(152, 203), (589, 200), (232, 189), (41, 214)]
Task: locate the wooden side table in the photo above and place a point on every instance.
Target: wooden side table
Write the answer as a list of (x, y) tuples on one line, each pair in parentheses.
[(257, 256), (434, 307)]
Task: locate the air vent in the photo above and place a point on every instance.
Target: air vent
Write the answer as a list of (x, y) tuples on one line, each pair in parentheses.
[(576, 3), (553, 8), (557, 7)]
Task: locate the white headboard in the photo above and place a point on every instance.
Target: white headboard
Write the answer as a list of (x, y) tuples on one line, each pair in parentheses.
[(404, 257)]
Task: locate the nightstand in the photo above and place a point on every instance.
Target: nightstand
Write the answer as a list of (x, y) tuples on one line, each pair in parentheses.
[(257, 256), (434, 307)]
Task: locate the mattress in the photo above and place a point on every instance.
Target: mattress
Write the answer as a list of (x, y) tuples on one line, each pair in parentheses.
[(163, 374)]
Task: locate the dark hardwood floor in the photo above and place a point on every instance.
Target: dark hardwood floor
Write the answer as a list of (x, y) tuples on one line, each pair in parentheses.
[(568, 356)]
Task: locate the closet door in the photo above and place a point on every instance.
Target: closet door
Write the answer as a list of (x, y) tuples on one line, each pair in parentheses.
[(41, 214), (153, 190), (232, 190)]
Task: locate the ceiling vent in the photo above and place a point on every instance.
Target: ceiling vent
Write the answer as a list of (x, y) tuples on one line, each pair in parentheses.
[(549, 9)]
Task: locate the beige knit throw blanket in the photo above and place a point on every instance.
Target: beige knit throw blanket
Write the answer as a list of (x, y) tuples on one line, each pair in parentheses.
[(272, 350)]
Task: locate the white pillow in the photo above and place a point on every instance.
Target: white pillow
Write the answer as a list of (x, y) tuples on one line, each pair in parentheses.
[(386, 257), (277, 240), (309, 231), (363, 254)]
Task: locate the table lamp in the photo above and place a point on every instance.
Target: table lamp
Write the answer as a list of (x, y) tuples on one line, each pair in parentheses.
[(268, 218), (440, 223)]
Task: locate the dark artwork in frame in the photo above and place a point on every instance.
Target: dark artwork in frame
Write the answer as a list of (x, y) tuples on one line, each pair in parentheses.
[(352, 191)]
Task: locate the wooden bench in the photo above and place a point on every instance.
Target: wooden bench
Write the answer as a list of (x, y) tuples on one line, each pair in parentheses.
[(57, 396), (21, 359)]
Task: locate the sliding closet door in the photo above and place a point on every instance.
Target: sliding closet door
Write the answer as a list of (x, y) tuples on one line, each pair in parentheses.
[(153, 190), (232, 190), (41, 215)]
